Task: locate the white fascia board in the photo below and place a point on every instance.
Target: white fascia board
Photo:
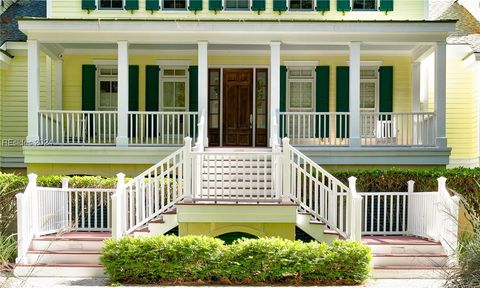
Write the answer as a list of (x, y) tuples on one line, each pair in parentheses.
[(183, 63), (301, 63)]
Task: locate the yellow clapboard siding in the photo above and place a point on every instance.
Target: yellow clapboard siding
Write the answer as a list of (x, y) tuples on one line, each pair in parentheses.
[(411, 9)]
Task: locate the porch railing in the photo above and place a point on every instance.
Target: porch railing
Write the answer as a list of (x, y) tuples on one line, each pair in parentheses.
[(398, 129), (315, 128), (77, 127), (161, 128)]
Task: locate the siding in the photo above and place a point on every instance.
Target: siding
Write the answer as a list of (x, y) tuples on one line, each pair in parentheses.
[(411, 9)]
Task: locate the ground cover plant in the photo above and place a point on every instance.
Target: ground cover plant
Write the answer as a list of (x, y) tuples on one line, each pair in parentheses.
[(202, 259)]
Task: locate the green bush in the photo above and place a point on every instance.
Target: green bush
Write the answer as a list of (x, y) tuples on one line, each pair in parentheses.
[(8, 251), (173, 259)]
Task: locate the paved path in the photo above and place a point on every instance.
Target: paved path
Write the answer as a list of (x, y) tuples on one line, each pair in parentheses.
[(94, 283)]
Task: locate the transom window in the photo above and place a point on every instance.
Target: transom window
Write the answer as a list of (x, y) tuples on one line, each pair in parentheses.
[(174, 89), (365, 5), (300, 87), (368, 88), (237, 4), (175, 4), (107, 95), (301, 5), (110, 4)]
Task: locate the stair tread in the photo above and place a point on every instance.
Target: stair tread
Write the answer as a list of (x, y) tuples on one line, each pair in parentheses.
[(73, 252), (409, 255), (409, 267), (314, 222), (330, 232), (83, 265)]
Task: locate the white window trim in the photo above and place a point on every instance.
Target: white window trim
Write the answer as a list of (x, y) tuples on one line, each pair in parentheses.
[(97, 83), (312, 80), (97, 3), (162, 79), (365, 10)]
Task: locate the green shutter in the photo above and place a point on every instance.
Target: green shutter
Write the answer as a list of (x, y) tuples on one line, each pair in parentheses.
[(151, 87), (386, 5), (152, 5), (322, 91), (215, 5), (279, 5), (88, 87), (88, 5), (133, 88), (131, 4), (193, 94), (258, 5), (195, 5), (343, 5), (283, 96), (386, 89), (323, 5), (343, 103)]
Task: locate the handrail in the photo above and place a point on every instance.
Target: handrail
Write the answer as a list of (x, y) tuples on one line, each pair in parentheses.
[(200, 143)]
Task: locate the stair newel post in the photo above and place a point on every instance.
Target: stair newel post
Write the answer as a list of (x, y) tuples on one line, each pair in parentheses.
[(32, 188), (118, 207), (355, 211), (21, 225), (187, 169), (66, 205), (286, 192), (411, 189)]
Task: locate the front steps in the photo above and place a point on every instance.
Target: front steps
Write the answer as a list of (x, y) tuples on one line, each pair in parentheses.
[(159, 226), (67, 255), (398, 257), (316, 229)]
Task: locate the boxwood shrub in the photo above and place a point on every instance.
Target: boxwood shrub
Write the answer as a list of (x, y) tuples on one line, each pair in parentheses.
[(201, 259)]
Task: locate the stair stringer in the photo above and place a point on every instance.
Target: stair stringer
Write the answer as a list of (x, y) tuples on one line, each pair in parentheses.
[(315, 230)]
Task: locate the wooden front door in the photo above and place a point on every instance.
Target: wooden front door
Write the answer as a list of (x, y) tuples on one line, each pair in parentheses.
[(237, 107)]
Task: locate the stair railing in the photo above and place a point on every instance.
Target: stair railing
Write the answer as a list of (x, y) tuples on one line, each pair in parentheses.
[(320, 193)]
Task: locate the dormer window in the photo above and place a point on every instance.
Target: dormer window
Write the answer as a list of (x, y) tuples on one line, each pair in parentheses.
[(364, 5), (237, 4), (302, 5), (110, 4), (174, 4)]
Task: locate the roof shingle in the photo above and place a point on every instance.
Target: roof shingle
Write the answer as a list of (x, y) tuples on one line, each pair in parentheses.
[(8, 20)]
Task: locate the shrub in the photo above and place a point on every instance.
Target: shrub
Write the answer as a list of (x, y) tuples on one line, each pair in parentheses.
[(175, 259), (8, 251), (10, 185)]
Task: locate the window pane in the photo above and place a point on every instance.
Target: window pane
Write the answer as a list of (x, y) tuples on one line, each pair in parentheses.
[(307, 4), (117, 3), (169, 72), (307, 95), (180, 72), (367, 95), (179, 95), (364, 5), (168, 92)]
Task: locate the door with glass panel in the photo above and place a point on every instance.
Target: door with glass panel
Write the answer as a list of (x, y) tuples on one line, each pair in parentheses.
[(368, 98), (300, 99), (103, 126)]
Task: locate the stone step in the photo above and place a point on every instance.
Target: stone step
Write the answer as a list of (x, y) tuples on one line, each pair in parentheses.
[(417, 260), (35, 257), (63, 270)]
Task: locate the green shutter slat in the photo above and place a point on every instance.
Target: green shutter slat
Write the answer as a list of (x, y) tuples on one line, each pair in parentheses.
[(323, 5), (133, 88), (386, 89), (195, 5), (151, 87), (322, 91), (131, 4), (193, 94), (279, 5), (152, 5), (343, 5), (215, 5), (258, 5), (88, 87), (88, 5), (343, 95), (386, 5), (283, 96)]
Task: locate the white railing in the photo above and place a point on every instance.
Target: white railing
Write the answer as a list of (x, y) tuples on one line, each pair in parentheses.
[(77, 127), (398, 129), (200, 144), (161, 128), (237, 176), (46, 210), (315, 128), (153, 192), (320, 193)]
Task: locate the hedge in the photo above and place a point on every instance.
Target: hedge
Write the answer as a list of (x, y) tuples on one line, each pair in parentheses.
[(202, 259)]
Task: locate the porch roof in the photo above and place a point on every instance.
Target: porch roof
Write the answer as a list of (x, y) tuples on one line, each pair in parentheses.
[(187, 31)]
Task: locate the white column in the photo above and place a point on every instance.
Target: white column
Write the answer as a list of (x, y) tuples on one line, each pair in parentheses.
[(203, 85), (33, 90), (416, 87), (58, 83), (274, 89), (440, 92), (122, 139), (354, 97)]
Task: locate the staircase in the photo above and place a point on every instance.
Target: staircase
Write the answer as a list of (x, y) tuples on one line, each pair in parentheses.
[(66, 255)]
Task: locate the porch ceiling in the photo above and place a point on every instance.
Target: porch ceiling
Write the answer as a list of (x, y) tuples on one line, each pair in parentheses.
[(235, 32)]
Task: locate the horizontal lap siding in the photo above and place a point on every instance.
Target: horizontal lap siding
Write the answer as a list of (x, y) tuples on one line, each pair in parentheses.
[(402, 10)]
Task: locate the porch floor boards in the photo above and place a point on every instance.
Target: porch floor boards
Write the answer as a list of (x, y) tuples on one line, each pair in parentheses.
[(79, 235)]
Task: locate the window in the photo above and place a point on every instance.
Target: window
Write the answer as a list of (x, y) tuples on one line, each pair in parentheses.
[(110, 4), (368, 88), (174, 4), (174, 89), (300, 82), (365, 5), (237, 4), (107, 95), (301, 5)]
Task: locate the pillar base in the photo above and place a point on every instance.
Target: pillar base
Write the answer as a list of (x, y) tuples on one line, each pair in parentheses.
[(122, 141), (441, 142), (355, 142)]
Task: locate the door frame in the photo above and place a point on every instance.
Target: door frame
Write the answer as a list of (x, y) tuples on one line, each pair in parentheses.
[(254, 87)]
